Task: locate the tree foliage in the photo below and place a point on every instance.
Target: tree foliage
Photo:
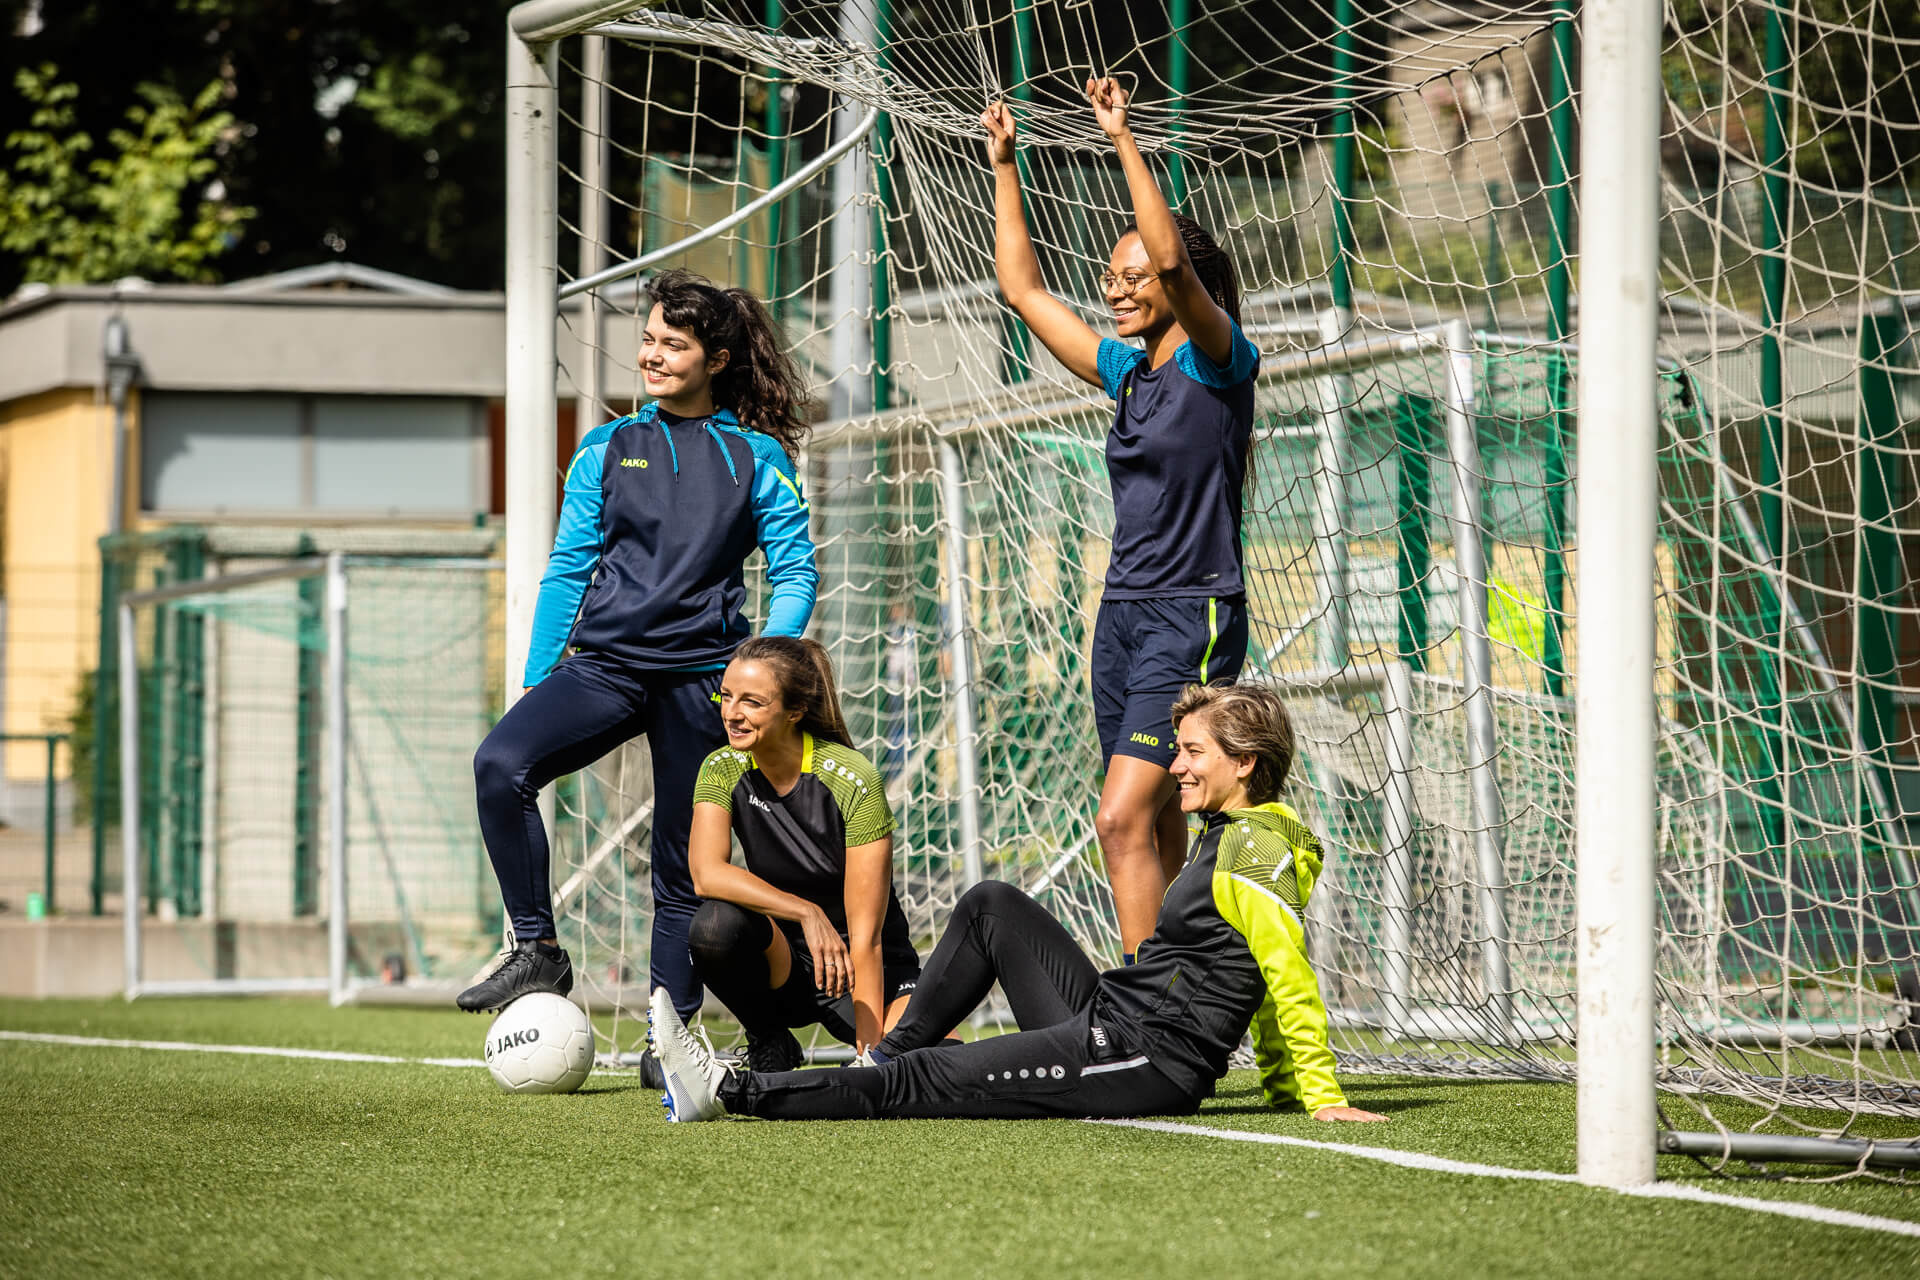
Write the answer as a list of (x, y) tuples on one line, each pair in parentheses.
[(360, 130), (70, 215), (1849, 113)]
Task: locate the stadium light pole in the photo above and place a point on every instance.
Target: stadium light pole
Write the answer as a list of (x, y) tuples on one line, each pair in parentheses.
[(1333, 495), (1617, 496)]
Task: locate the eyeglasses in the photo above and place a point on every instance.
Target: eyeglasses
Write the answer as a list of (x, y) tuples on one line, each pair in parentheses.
[(1128, 283)]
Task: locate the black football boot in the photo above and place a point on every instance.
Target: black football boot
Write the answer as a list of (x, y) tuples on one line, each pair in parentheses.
[(528, 968), (775, 1053)]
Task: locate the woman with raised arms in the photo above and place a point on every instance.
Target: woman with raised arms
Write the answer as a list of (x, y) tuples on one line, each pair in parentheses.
[(1174, 609)]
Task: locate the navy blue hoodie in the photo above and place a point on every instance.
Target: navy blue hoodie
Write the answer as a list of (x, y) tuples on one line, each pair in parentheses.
[(657, 522)]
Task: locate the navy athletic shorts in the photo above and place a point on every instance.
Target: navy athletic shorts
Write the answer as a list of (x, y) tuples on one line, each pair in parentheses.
[(1145, 652)]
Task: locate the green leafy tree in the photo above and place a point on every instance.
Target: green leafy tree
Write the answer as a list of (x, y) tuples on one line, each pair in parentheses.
[(1849, 112), (367, 131), (146, 207)]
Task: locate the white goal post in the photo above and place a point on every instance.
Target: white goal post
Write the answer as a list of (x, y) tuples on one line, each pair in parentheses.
[(1617, 731), (333, 568), (296, 795)]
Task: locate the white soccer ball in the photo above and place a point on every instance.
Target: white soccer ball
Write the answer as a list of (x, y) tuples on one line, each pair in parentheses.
[(540, 1043)]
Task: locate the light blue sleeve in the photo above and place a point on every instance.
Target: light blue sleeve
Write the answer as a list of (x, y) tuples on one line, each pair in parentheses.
[(1116, 360), (576, 554), (780, 520), (1199, 366)]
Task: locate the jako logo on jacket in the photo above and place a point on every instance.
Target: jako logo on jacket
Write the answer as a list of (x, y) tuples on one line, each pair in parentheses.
[(658, 518)]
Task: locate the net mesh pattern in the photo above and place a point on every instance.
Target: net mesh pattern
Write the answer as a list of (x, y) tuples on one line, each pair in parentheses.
[(1372, 182)]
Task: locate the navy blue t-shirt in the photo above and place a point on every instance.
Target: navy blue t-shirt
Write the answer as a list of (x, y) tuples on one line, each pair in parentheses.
[(1177, 458)]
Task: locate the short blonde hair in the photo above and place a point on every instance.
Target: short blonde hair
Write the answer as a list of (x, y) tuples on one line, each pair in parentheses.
[(1246, 720)]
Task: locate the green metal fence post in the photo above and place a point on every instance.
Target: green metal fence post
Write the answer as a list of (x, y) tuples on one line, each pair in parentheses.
[(1415, 424), (106, 683), (152, 683), (776, 129), (883, 210), (1016, 363), (53, 742), (1345, 153), (1773, 521), (307, 720), (1179, 59), (1559, 376), (186, 699), (1882, 582)]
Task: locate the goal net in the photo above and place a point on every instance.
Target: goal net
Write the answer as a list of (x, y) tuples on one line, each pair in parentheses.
[(290, 764), (1396, 183)]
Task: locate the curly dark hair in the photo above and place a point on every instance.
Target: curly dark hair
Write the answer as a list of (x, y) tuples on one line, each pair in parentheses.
[(760, 382)]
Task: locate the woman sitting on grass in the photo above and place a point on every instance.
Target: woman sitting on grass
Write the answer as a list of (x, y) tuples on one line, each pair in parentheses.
[(810, 930), (1151, 1038)]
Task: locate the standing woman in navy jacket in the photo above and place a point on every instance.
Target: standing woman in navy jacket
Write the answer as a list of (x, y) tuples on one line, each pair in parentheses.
[(640, 609), (1174, 611)]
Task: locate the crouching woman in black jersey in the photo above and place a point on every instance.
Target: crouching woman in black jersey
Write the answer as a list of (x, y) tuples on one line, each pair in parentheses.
[(1147, 1039), (810, 930)]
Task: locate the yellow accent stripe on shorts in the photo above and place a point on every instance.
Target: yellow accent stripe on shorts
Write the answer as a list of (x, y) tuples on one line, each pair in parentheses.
[(1213, 634)]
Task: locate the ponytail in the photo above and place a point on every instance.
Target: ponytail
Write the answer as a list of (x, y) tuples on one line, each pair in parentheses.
[(760, 382), (804, 674)]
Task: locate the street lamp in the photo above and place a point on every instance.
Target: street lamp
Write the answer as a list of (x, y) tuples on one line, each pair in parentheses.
[(123, 370)]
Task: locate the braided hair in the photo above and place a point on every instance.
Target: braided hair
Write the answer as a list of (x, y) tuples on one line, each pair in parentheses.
[(1211, 265)]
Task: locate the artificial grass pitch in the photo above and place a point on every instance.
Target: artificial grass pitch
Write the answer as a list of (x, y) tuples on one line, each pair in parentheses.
[(127, 1161)]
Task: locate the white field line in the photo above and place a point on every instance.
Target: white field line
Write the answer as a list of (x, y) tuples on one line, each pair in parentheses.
[(256, 1051), (1384, 1155), (1466, 1168)]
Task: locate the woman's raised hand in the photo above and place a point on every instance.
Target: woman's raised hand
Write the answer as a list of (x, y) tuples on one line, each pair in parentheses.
[(998, 122), (1109, 105)]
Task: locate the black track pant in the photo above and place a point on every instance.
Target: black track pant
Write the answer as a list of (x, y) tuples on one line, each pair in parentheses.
[(1060, 1064)]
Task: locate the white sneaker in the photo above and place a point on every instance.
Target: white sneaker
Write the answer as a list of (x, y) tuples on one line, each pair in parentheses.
[(693, 1073)]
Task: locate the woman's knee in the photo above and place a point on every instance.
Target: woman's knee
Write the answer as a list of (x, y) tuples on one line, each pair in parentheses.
[(498, 768), (1122, 825), (987, 896), (721, 929)]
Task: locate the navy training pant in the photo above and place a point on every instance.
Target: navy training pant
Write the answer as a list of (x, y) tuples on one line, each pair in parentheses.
[(579, 713)]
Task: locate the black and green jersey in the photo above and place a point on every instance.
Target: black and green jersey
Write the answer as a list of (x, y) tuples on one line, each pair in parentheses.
[(1229, 951), (798, 842)]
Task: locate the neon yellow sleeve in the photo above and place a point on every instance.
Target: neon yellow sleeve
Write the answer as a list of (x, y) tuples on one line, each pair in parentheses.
[(1290, 1030), (718, 773), (857, 789)]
